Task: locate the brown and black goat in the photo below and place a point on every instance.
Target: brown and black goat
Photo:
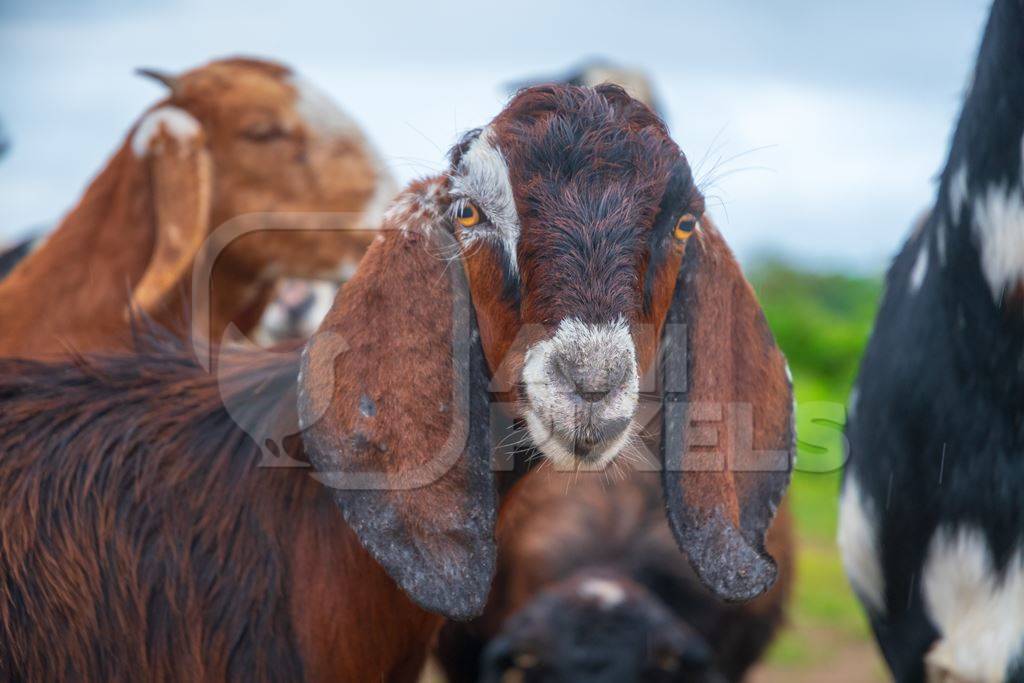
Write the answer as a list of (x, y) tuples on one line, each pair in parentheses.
[(553, 263), (591, 586), (241, 143)]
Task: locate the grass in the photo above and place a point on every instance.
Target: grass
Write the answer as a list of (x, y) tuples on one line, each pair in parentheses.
[(822, 323)]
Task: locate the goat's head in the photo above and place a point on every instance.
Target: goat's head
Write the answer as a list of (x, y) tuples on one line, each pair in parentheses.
[(573, 218), (248, 138), (572, 208), (597, 626)]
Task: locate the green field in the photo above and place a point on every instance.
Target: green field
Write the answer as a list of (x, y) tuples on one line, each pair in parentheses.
[(822, 322)]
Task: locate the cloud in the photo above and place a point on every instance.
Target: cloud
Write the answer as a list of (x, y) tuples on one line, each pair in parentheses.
[(840, 113)]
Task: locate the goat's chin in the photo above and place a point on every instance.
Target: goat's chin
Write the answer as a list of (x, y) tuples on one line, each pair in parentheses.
[(559, 450)]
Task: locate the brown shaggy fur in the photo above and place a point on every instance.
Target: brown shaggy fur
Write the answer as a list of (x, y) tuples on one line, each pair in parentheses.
[(138, 536)]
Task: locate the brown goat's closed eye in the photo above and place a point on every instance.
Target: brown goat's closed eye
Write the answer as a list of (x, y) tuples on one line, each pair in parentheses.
[(557, 300), (241, 145)]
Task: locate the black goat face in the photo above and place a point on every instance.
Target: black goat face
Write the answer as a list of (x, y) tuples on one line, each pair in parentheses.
[(597, 629)]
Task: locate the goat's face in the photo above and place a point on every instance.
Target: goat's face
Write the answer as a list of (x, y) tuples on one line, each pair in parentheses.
[(278, 143), (276, 155), (572, 209), (597, 627), (572, 213)]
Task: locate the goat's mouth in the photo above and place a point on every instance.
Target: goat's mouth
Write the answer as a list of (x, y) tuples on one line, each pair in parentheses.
[(589, 445)]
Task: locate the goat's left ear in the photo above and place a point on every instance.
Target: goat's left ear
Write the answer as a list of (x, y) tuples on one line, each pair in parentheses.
[(174, 146), (395, 411), (727, 425)]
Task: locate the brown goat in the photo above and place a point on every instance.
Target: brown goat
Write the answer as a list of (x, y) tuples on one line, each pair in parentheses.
[(591, 586), (552, 253), (237, 141)]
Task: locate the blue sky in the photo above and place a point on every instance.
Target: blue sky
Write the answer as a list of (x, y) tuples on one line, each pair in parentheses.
[(826, 122)]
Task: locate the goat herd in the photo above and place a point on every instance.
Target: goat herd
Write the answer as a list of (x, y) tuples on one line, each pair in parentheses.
[(177, 506)]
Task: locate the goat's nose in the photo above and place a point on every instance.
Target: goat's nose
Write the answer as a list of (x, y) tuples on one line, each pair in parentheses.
[(592, 396), (589, 383)]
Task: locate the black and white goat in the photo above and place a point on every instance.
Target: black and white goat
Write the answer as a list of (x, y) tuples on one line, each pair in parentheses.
[(932, 511)]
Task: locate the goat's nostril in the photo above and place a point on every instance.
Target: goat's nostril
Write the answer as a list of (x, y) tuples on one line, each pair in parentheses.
[(591, 396)]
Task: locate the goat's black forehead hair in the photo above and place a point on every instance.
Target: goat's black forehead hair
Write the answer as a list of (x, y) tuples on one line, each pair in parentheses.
[(590, 169), (583, 140), (567, 130)]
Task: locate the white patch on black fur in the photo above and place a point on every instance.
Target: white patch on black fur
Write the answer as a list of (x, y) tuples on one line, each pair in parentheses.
[(958, 192), (858, 545), (978, 611), (606, 592), (999, 221), (920, 269), (177, 122), (482, 177), (551, 407)]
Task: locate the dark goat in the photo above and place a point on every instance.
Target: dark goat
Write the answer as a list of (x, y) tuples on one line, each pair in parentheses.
[(592, 587), (932, 520)]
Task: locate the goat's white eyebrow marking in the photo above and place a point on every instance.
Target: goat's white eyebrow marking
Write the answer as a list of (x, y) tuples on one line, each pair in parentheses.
[(177, 122), (978, 611), (858, 545), (482, 177), (608, 593), (920, 268)]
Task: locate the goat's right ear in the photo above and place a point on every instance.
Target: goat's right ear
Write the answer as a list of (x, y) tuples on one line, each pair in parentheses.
[(394, 408), (173, 144)]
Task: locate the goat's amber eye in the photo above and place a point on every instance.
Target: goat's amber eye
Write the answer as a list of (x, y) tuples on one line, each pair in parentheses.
[(685, 226), (468, 215)]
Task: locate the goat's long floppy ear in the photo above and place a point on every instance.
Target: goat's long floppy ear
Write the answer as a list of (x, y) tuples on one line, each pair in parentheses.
[(174, 146), (727, 425), (394, 407)]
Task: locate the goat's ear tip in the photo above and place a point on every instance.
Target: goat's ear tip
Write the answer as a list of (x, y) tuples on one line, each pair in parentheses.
[(449, 574), (460, 598), (730, 567), (746, 580)]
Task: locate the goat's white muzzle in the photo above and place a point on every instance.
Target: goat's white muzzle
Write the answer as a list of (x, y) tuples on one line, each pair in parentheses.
[(581, 392)]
